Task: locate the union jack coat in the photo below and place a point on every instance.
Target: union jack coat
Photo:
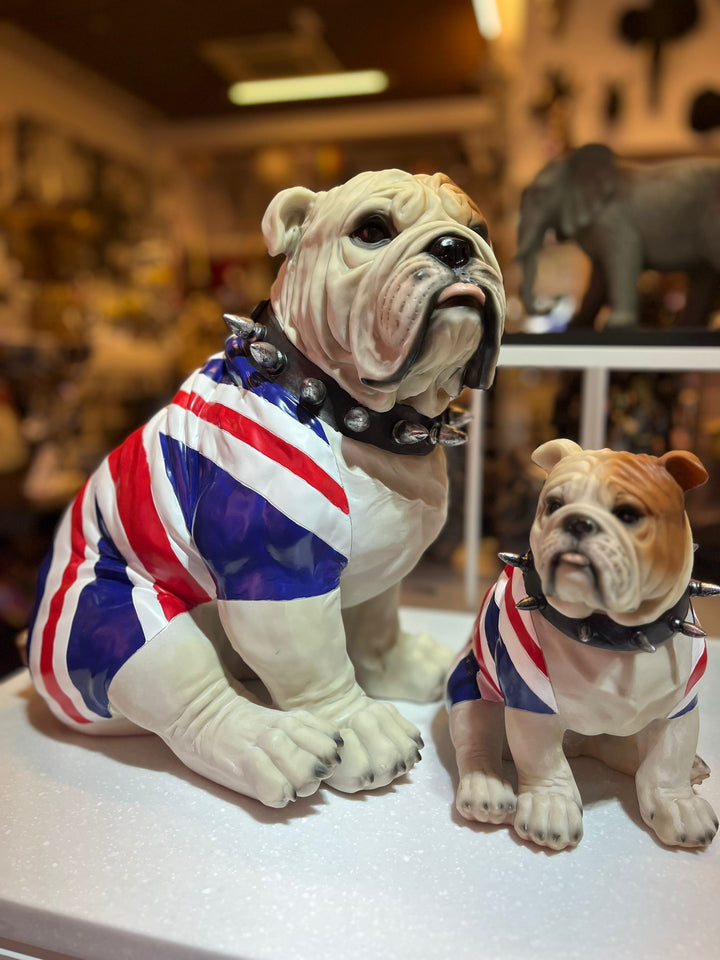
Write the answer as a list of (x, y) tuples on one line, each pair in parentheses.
[(224, 495), (503, 661)]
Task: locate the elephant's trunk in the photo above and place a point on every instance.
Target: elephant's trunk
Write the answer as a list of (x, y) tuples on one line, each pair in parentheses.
[(528, 264)]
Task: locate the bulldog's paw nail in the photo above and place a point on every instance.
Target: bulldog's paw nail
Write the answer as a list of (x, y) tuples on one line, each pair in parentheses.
[(339, 740), (321, 771)]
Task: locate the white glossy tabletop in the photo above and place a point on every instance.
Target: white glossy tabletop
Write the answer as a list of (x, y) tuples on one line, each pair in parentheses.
[(111, 849)]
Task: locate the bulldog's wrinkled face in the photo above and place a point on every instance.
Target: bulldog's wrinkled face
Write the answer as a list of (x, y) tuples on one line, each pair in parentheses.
[(390, 285), (610, 534)]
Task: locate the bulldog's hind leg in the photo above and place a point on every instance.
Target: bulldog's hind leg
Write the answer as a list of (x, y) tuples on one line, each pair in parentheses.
[(668, 802), (621, 753), (176, 687), (389, 662), (477, 729)]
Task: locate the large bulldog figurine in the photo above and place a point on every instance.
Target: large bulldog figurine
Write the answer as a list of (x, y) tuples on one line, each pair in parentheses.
[(591, 632), (261, 523)]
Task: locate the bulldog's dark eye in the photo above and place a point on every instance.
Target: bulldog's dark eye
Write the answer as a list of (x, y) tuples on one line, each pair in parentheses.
[(552, 504), (373, 232), (627, 514), (481, 229)]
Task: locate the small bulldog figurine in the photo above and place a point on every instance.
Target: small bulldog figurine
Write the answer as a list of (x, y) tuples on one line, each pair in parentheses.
[(591, 632), (271, 510)]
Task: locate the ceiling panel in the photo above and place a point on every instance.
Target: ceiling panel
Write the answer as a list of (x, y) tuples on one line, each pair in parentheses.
[(157, 51)]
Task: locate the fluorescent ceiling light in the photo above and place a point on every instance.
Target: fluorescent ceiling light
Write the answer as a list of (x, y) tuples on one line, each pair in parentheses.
[(488, 18), (318, 87)]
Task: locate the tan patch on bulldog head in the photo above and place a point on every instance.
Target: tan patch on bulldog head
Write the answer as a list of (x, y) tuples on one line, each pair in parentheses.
[(610, 533)]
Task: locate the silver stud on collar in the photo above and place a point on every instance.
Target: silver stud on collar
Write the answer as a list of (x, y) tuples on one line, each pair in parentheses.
[(268, 357), (357, 419), (449, 436), (312, 392), (585, 634), (405, 432)]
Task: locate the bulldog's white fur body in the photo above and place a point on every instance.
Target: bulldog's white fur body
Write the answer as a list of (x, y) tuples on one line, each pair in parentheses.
[(363, 295), (610, 536)]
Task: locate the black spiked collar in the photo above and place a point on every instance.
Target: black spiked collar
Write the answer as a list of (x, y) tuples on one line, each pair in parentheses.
[(600, 630), (261, 340)]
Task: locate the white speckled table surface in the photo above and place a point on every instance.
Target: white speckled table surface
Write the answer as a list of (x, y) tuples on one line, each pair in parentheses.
[(111, 849)]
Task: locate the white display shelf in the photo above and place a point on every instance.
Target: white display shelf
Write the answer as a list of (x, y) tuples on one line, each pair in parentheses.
[(110, 849)]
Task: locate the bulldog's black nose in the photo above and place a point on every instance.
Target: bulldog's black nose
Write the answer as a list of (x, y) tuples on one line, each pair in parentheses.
[(452, 251), (579, 526)]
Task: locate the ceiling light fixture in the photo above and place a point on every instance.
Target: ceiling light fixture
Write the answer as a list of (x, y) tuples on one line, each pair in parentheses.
[(488, 18), (319, 87)]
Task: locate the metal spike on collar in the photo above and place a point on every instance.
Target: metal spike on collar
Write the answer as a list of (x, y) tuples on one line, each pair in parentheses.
[(699, 589), (642, 643), (405, 432), (531, 603), (516, 560), (357, 419), (449, 436), (687, 629), (312, 392), (268, 357), (585, 633), (241, 326)]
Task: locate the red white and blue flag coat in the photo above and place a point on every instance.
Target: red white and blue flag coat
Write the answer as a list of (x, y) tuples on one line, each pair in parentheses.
[(503, 661), (224, 495)]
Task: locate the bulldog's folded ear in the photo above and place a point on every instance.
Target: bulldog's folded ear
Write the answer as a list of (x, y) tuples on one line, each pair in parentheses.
[(547, 455), (283, 219), (685, 468)]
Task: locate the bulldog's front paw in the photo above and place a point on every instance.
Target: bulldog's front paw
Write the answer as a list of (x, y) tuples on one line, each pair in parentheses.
[(549, 819), (270, 755), (485, 798), (686, 821), (378, 746), (413, 668)]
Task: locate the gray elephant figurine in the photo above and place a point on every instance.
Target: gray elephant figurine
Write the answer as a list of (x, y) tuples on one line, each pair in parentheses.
[(627, 217)]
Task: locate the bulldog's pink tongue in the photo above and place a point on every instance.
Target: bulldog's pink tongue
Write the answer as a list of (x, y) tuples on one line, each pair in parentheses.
[(575, 559), (461, 289)]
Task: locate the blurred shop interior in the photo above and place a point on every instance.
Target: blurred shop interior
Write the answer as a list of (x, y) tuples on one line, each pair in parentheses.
[(132, 189)]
